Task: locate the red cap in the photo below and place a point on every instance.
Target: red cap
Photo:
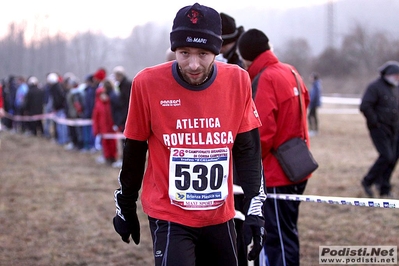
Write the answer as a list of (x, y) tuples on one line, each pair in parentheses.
[(100, 74)]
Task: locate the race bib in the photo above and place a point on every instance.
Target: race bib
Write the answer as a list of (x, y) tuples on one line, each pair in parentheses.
[(198, 177)]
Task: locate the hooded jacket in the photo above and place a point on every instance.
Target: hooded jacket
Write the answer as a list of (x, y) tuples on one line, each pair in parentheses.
[(380, 105)]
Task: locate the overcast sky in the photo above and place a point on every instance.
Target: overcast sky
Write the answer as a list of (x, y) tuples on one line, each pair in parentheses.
[(115, 18)]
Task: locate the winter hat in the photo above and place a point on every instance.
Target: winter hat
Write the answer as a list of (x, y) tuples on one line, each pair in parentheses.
[(252, 43), (119, 70), (230, 33), (33, 81), (100, 74), (197, 26), (389, 68), (89, 78), (52, 78)]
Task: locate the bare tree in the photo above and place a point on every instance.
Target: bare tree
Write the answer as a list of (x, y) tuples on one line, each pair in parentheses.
[(296, 52), (146, 46), (12, 50), (88, 51)]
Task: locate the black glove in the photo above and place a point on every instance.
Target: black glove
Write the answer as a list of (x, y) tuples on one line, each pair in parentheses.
[(254, 229), (126, 222), (127, 228)]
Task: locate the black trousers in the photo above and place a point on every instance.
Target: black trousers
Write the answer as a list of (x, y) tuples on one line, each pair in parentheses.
[(178, 245), (281, 218), (313, 121), (380, 172)]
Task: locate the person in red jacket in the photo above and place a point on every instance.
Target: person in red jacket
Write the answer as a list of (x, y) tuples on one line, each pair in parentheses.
[(277, 102), (1, 101), (102, 124)]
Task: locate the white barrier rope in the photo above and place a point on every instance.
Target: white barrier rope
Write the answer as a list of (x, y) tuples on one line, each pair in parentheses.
[(363, 202), (116, 135), (63, 121)]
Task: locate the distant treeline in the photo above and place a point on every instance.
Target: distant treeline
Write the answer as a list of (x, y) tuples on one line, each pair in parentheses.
[(359, 54)]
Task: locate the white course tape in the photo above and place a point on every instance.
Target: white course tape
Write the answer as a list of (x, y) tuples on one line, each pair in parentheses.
[(28, 117), (73, 122), (116, 135), (63, 121), (364, 202)]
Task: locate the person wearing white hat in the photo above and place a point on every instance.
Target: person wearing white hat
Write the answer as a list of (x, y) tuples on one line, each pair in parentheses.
[(34, 103)]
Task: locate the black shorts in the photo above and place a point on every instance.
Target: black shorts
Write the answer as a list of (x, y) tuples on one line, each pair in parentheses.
[(178, 245)]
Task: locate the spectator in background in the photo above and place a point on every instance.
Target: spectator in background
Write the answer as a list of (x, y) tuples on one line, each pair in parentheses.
[(123, 83), (98, 78), (170, 55), (1, 101), (34, 103), (22, 90), (230, 35), (103, 124), (57, 98), (118, 117), (275, 90), (315, 103), (9, 92), (89, 98), (380, 107), (75, 108), (49, 126), (115, 104)]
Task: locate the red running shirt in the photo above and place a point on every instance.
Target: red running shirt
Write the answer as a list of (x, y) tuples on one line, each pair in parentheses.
[(190, 136)]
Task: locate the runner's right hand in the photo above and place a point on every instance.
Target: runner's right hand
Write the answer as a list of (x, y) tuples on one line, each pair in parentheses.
[(127, 228)]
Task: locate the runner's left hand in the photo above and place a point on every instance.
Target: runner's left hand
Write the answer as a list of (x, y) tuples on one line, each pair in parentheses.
[(254, 229)]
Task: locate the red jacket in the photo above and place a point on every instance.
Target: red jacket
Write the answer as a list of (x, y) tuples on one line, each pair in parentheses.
[(1, 96), (102, 116), (279, 110)]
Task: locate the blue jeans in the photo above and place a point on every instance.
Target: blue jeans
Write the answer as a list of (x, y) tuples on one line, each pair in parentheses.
[(62, 129)]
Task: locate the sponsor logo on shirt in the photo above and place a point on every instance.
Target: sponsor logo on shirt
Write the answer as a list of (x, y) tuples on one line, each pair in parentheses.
[(167, 103)]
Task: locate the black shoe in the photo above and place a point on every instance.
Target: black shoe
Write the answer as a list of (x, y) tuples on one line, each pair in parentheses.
[(367, 189)]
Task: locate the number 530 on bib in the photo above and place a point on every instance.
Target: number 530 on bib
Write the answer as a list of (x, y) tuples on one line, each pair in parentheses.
[(198, 177)]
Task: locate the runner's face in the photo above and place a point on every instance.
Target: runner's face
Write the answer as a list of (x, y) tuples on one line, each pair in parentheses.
[(195, 64)]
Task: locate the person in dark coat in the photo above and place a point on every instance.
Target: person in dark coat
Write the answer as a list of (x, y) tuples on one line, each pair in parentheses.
[(230, 35), (34, 104), (9, 92), (57, 95), (380, 107), (124, 84)]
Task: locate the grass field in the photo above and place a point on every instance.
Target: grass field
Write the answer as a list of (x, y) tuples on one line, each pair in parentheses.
[(56, 206)]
